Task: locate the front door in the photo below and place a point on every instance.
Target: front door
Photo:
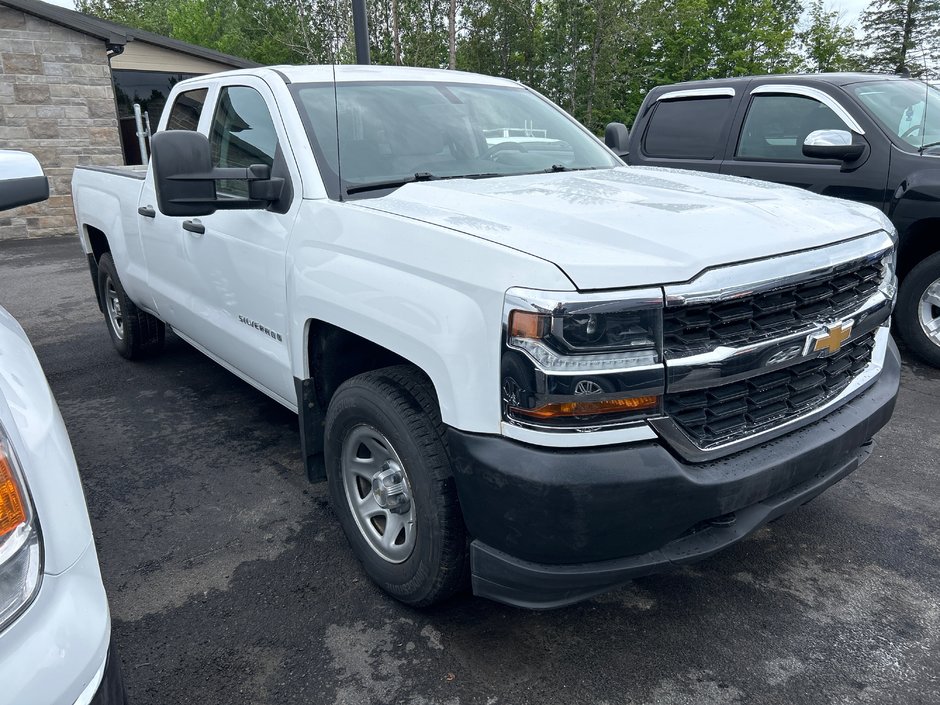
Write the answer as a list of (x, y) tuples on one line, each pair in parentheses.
[(770, 145)]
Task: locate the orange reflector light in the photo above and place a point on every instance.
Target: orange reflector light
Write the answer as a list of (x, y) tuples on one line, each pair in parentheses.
[(524, 324), (589, 408), (12, 511)]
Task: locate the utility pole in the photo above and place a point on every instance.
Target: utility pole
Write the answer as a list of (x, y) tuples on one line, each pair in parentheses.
[(361, 30)]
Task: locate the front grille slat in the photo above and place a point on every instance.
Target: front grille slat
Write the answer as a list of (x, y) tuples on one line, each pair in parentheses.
[(700, 328), (733, 411)]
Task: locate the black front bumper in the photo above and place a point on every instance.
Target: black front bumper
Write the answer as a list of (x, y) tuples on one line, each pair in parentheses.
[(554, 526)]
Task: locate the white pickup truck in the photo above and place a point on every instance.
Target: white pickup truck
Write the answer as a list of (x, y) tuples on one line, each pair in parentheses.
[(517, 362), (55, 628)]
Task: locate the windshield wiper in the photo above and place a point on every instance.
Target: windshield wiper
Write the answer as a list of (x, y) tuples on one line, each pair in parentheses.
[(556, 168), (380, 185), (928, 146)]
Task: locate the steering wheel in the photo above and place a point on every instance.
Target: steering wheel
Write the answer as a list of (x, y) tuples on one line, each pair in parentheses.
[(503, 147), (911, 130)]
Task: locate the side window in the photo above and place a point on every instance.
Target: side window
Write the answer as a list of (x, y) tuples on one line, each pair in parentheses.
[(242, 134), (776, 125), (690, 128), (186, 110)]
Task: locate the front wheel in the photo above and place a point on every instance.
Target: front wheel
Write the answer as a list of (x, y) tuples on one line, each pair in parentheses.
[(918, 310), (134, 333), (392, 487)]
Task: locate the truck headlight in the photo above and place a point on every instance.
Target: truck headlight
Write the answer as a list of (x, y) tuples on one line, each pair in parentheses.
[(20, 546), (578, 361)]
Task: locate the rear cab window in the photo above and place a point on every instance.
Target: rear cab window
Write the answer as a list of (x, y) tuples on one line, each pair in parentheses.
[(688, 128), (187, 109)]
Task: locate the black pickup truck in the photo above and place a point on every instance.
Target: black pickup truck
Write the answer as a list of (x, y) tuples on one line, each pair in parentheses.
[(865, 137)]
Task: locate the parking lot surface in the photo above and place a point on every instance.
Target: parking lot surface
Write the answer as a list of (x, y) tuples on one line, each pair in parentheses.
[(231, 582)]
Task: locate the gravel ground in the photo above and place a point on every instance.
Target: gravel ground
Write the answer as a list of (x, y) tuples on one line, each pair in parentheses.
[(230, 581)]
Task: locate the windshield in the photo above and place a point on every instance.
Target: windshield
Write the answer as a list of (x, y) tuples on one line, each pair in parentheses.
[(900, 105), (372, 137)]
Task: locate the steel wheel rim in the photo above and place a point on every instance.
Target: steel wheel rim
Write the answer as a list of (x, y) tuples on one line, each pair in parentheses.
[(113, 304), (367, 455), (929, 312)]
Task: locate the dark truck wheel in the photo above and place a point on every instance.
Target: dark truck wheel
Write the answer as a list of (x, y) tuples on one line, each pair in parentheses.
[(391, 485), (918, 310), (134, 333)]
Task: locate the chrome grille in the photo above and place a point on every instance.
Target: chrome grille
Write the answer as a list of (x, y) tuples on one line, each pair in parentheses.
[(693, 329), (723, 414)]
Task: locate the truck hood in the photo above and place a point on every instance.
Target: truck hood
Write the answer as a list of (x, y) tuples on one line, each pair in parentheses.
[(633, 226)]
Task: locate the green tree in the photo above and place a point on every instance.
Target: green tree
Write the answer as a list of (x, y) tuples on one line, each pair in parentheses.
[(755, 36), (901, 34), (828, 44)]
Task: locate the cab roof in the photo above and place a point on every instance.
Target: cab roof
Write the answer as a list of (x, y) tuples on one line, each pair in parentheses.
[(347, 73), (837, 79)]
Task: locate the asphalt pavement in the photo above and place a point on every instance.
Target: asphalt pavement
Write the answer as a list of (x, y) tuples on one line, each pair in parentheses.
[(230, 580)]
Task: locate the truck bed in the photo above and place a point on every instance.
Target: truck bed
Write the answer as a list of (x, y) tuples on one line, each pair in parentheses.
[(134, 171)]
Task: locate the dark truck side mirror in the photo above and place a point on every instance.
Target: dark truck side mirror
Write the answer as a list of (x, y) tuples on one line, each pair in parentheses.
[(832, 144), (617, 137), (21, 180), (184, 178)]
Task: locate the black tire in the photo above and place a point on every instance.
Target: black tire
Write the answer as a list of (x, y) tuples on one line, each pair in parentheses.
[(908, 316), (134, 333), (400, 404)]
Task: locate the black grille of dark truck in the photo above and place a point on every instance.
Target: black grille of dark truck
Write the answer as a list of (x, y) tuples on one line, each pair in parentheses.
[(699, 328), (728, 412)]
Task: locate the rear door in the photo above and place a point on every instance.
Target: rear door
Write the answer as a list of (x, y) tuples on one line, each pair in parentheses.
[(686, 129), (768, 139), (163, 247)]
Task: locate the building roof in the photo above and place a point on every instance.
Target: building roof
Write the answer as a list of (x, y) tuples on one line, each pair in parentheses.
[(118, 34)]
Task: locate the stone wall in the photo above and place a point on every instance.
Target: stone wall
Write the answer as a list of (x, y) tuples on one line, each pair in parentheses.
[(56, 101)]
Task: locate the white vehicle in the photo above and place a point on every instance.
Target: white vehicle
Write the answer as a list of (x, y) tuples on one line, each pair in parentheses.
[(534, 370), (55, 628)]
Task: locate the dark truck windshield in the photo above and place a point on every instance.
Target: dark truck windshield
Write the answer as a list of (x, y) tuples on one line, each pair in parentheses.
[(372, 137), (900, 106)]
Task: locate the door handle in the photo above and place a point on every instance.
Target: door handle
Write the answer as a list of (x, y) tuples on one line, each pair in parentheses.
[(194, 226), (147, 212)]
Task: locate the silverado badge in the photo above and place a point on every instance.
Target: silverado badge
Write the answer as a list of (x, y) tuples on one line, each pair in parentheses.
[(829, 340)]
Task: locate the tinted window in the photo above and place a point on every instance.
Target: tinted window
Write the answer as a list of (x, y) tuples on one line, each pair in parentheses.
[(776, 126), (687, 129), (242, 134), (186, 110)]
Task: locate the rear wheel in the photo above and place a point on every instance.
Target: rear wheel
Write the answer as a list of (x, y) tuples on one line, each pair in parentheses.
[(918, 310), (392, 487), (134, 333)]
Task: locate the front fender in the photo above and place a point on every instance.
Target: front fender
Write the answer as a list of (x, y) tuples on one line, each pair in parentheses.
[(431, 295), (917, 197)]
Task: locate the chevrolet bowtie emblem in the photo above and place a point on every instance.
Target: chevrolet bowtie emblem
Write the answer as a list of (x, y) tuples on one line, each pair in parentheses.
[(830, 339)]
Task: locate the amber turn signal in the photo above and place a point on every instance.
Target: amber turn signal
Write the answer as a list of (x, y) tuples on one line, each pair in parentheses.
[(12, 508), (524, 324), (589, 408)]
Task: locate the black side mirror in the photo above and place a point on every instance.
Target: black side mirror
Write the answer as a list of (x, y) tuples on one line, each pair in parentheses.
[(832, 144), (21, 180), (184, 178), (617, 137)]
